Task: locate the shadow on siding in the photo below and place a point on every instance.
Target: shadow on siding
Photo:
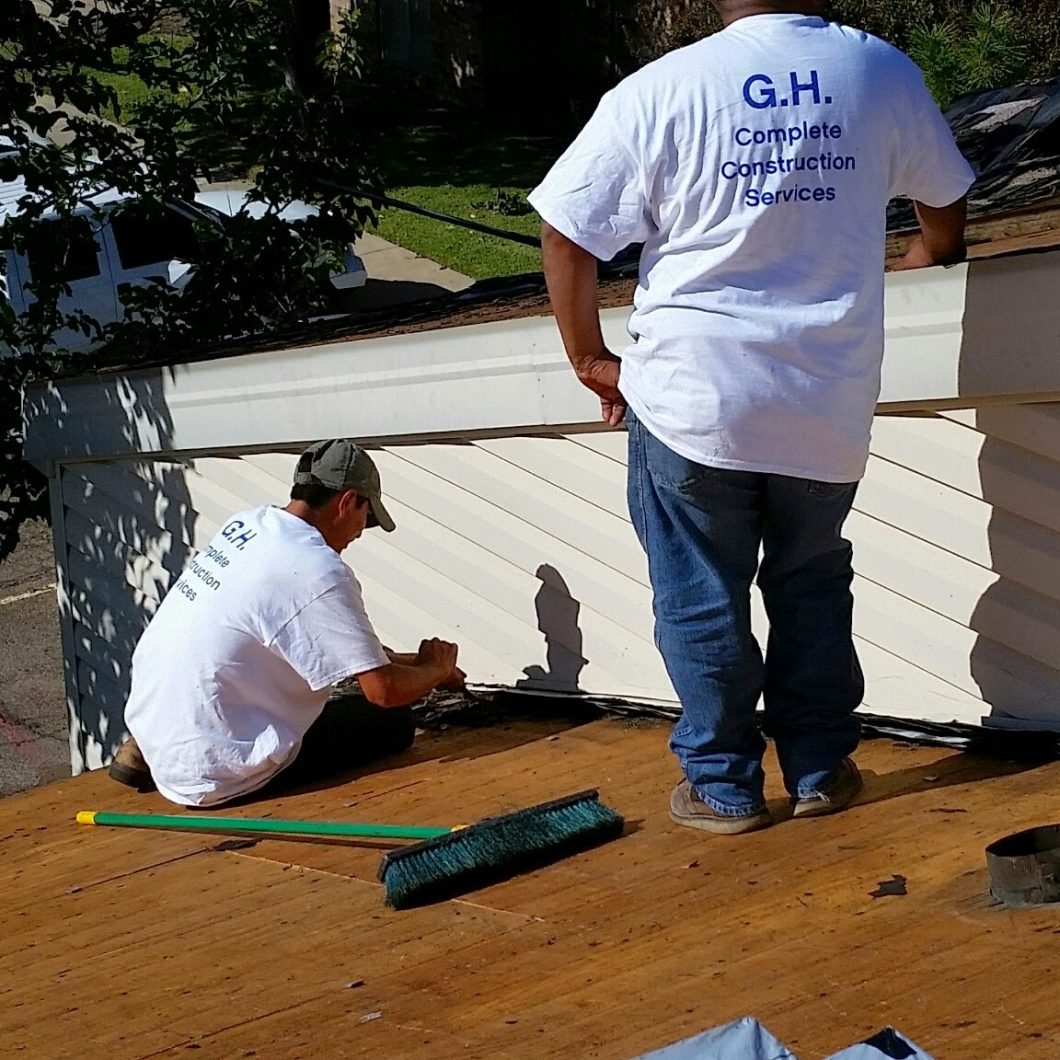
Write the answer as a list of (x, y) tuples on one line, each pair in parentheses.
[(129, 528), (558, 619)]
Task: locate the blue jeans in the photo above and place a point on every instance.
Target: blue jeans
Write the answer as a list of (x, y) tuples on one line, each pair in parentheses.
[(703, 530)]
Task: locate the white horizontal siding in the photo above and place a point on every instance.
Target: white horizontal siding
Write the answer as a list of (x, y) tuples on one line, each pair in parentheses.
[(520, 549), (944, 331)]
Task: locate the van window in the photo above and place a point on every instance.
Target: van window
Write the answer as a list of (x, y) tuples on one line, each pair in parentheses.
[(145, 238), (79, 257)]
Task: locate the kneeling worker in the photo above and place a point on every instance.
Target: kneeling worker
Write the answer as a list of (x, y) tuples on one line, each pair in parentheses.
[(231, 677)]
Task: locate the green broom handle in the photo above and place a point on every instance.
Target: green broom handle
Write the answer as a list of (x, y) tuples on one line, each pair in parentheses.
[(266, 826)]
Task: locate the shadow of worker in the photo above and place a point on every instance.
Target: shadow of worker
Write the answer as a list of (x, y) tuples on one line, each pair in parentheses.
[(557, 618)]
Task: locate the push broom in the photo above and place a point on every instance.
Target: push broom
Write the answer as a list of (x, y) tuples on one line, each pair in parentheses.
[(443, 862)]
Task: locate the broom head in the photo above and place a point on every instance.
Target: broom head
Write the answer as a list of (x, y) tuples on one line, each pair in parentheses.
[(496, 848)]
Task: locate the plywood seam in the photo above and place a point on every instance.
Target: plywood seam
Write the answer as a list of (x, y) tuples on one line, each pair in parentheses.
[(142, 868), (375, 885), (234, 1026)]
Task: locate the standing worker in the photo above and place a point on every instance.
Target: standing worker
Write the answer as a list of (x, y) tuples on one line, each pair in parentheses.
[(231, 677), (755, 166)]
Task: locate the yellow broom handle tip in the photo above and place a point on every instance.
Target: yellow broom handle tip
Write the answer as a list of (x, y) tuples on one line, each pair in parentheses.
[(86, 816)]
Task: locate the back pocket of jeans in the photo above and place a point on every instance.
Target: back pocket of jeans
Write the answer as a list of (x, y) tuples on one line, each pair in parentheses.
[(674, 471), (826, 490)]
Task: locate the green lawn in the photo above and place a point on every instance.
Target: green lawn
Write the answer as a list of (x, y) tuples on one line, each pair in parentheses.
[(131, 89), (472, 253), (457, 170), (462, 173)]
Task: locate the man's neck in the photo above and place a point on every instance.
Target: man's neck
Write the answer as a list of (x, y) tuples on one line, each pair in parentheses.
[(733, 12), (311, 516)]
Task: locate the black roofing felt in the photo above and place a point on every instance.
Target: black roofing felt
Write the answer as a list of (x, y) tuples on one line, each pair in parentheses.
[(1011, 136)]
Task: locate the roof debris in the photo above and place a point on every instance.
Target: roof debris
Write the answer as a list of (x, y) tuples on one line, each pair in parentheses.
[(1011, 136)]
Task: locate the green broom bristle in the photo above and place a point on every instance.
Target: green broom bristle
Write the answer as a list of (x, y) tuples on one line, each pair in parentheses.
[(497, 848)]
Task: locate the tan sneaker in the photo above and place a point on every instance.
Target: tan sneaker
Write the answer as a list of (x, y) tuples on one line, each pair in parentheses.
[(841, 792), (130, 768), (687, 808)]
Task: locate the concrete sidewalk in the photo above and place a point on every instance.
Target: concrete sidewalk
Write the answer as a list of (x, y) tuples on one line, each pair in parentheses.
[(390, 263), (397, 275)]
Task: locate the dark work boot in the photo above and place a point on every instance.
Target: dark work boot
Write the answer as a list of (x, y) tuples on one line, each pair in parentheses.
[(687, 808), (130, 768)]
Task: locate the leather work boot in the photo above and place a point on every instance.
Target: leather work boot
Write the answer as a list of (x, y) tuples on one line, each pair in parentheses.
[(840, 793), (687, 808), (130, 768)]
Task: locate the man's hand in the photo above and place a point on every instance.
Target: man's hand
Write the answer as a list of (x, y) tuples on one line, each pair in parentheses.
[(455, 682), (601, 375), (406, 677), (916, 257), (571, 275), (438, 657)]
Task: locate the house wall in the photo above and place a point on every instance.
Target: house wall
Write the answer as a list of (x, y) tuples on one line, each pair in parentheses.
[(520, 549), (513, 538)]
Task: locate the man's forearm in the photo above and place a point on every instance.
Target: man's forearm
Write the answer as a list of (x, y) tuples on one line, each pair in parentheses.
[(570, 273), (942, 231), (398, 684), (941, 238)]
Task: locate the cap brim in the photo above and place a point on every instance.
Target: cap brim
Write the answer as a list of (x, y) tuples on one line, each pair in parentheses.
[(379, 516)]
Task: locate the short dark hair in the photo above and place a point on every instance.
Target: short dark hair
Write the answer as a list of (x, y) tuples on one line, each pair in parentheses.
[(313, 494)]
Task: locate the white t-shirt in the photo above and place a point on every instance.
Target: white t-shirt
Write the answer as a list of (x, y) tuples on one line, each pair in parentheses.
[(756, 166), (241, 656)]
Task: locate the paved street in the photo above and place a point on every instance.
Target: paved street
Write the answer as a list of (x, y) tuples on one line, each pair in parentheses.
[(33, 731)]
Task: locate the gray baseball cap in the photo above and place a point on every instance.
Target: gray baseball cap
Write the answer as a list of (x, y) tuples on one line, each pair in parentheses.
[(340, 464)]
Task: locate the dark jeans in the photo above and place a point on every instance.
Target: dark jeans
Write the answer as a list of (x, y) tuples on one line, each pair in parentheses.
[(703, 530), (350, 732)]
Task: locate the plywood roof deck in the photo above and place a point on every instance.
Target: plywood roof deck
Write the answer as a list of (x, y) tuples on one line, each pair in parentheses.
[(123, 943)]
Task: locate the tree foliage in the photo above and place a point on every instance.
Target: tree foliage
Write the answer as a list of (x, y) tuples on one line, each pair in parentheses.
[(961, 46), (983, 48), (259, 87)]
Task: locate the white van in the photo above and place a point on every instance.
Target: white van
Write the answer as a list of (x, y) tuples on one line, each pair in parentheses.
[(114, 248)]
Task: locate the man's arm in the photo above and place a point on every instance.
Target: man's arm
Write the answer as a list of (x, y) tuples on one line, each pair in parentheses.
[(941, 238), (400, 683), (404, 658), (455, 682), (570, 273)]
